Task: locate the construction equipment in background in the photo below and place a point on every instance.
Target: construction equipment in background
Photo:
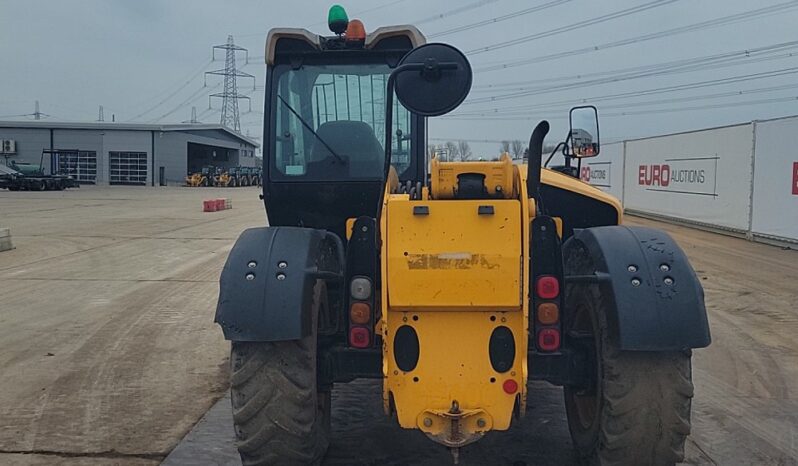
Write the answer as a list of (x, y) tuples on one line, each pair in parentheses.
[(220, 177), (225, 177), (246, 176), (203, 178), (20, 176), (254, 176), (238, 177), (194, 180), (455, 286)]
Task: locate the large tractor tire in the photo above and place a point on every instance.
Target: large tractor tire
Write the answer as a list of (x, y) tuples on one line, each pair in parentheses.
[(280, 417), (637, 411)]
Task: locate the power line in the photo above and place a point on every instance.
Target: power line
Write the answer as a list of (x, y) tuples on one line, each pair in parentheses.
[(733, 58), (578, 84), (706, 107), (192, 98), (501, 115), (738, 17), (498, 19), (453, 12), (657, 111), (189, 100), (173, 93), (660, 90), (570, 27), (428, 19)]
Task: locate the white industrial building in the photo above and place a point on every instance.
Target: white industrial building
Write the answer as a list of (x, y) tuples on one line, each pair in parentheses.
[(120, 153)]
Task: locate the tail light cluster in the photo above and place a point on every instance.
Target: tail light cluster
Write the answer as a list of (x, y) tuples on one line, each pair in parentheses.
[(547, 313), (361, 265), (546, 302), (361, 323)]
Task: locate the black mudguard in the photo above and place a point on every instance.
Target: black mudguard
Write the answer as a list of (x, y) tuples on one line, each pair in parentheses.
[(655, 301), (266, 287)]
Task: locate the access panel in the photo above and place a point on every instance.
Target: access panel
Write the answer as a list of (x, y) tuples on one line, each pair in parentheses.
[(454, 254)]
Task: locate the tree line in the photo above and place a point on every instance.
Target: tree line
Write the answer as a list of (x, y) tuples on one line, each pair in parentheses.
[(460, 151)]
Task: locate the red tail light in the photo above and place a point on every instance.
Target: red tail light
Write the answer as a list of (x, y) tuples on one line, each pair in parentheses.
[(510, 386), (548, 287), (549, 339), (359, 337)]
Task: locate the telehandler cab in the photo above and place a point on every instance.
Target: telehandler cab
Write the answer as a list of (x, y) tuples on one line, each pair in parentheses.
[(455, 283)]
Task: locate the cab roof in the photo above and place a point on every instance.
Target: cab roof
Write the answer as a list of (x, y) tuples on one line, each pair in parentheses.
[(314, 40)]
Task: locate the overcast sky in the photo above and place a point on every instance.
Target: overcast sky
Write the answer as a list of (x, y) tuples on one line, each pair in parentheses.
[(143, 59)]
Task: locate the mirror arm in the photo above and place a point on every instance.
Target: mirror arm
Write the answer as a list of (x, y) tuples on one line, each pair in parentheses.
[(564, 145), (386, 168), (429, 68), (565, 153)]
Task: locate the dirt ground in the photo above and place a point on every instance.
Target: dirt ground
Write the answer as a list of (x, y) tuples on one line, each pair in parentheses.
[(108, 351), (109, 355)]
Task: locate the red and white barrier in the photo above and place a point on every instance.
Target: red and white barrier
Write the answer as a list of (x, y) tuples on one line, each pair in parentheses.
[(214, 205)]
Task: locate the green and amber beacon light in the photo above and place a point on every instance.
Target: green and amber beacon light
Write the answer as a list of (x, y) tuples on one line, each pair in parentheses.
[(353, 32), (337, 20)]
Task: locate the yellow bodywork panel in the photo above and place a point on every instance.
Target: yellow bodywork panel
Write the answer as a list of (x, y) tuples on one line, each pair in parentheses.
[(454, 365), (499, 180), (446, 255), (569, 183), (454, 276)]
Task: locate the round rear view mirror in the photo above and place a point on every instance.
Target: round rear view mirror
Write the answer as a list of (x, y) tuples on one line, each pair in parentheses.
[(437, 81)]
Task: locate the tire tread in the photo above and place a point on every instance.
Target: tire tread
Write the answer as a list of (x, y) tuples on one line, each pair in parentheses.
[(274, 400)]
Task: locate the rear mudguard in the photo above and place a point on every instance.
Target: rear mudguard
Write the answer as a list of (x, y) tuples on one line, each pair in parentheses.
[(654, 299), (266, 286)]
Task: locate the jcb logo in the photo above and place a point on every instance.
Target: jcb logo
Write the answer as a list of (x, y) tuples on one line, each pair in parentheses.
[(795, 178), (654, 175)]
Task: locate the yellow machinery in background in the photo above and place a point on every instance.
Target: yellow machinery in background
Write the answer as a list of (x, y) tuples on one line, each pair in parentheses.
[(222, 178), (194, 180), (203, 178)]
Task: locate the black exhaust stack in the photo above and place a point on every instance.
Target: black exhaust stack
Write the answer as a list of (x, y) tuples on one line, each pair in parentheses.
[(535, 159)]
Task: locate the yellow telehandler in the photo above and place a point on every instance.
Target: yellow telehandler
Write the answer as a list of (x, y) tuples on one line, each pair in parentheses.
[(455, 283)]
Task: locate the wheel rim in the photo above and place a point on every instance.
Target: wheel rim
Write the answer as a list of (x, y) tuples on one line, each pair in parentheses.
[(587, 401)]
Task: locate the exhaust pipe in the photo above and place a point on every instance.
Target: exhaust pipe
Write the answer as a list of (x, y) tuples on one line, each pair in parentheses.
[(535, 159)]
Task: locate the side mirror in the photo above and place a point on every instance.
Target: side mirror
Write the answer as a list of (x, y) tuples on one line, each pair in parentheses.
[(584, 133), (432, 79)]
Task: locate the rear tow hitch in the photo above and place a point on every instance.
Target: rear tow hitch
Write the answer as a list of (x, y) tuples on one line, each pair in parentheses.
[(456, 427)]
